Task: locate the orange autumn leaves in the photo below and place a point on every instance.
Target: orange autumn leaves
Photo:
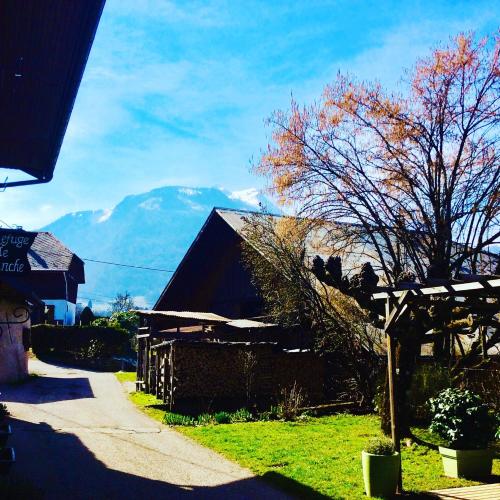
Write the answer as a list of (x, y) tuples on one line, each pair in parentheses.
[(359, 137)]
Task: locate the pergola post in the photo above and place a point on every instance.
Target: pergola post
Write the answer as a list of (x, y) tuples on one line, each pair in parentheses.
[(392, 314)]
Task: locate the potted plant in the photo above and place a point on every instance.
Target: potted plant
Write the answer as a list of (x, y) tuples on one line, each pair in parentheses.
[(381, 468), (465, 423), (4, 413)]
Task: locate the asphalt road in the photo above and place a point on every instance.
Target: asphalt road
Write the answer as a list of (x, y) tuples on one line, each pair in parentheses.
[(77, 436)]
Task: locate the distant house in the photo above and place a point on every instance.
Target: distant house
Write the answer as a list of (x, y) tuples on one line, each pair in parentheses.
[(54, 275), (211, 276)]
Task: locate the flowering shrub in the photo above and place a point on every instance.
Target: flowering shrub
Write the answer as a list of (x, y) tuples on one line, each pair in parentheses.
[(462, 419)]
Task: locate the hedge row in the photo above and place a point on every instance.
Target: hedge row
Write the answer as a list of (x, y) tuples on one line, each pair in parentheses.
[(79, 341)]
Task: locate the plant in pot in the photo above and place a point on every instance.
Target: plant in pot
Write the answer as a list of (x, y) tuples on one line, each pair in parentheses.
[(5, 430), (4, 413), (467, 426), (381, 468)]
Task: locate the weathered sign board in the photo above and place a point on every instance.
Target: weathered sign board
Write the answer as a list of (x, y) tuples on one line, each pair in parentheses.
[(14, 246)]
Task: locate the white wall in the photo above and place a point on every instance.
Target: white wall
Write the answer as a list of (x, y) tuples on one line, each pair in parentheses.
[(63, 310)]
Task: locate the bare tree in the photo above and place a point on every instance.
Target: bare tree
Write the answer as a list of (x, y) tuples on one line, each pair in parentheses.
[(409, 182), (416, 177), (123, 302), (277, 253)]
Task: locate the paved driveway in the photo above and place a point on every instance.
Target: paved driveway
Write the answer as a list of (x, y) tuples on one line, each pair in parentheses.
[(78, 436)]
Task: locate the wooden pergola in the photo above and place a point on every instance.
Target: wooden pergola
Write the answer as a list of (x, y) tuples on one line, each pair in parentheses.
[(399, 302)]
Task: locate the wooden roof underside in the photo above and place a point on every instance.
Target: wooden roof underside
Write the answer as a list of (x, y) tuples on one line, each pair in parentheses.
[(44, 46)]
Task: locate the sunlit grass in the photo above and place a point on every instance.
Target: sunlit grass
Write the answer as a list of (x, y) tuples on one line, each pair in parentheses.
[(148, 403), (126, 376), (323, 454)]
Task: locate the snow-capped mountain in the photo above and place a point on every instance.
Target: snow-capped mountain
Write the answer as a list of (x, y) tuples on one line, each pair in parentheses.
[(153, 229)]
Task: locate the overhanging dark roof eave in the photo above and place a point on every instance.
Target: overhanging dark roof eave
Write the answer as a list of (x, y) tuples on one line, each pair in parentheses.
[(43, 53)]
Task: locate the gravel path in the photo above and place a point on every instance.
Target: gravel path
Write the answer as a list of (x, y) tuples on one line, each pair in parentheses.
[(77, 435)]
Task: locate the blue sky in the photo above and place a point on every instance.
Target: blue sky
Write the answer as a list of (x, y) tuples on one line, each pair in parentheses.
[(177, 92)]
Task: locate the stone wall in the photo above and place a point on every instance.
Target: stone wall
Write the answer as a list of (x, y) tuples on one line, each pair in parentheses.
[(13, 357), (210, 375)]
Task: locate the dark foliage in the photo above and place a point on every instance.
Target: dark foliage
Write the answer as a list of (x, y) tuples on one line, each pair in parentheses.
[(79, 341), (462, 419)]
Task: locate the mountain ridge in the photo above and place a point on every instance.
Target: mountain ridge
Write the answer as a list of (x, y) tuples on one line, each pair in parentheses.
[(152, 229)]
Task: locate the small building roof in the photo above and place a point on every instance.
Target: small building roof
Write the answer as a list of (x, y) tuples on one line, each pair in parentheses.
[(47, 253)]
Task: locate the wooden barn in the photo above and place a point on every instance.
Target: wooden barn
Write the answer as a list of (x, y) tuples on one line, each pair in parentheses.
[(211, 276), (206, 343)]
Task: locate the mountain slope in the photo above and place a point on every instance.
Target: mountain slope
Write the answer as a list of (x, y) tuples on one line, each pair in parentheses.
[(153, 229)]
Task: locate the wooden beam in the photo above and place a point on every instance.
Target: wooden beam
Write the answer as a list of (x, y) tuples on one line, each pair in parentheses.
[(166, 370), (157, 373), (171, 359), (146, 366), (391, 372), (450, 289), (396, 312)]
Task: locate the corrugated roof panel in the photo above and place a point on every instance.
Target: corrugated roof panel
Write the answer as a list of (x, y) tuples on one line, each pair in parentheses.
[(249, 323), (188, 315)]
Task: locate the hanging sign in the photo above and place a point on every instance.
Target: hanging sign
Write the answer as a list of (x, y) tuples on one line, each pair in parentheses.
[(14, 246)]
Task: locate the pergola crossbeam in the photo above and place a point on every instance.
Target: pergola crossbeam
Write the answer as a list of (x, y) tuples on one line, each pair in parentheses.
[(492, 285)]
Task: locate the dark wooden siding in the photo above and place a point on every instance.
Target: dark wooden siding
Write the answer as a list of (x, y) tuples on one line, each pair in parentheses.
[(212, 277), (50, 285)]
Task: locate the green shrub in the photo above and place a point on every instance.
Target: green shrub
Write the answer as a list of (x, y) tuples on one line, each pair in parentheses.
[(222, 417), (428, 381), (101, 322), (380, 446), (90, 342), (177, 419), (242, 415), (271, 414), (205, 419), (462, 419)]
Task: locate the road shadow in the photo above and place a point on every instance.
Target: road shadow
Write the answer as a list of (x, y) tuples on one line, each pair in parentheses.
[(293, 488), (42, 389), (57, 465), (108, 365)]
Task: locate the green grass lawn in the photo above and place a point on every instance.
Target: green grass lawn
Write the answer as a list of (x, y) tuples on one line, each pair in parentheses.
[(323, 453), (126, 376), (320, 457)]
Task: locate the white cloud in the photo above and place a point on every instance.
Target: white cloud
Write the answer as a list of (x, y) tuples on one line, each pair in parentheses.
[(250, 196), (197, 13), (140, 301)]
